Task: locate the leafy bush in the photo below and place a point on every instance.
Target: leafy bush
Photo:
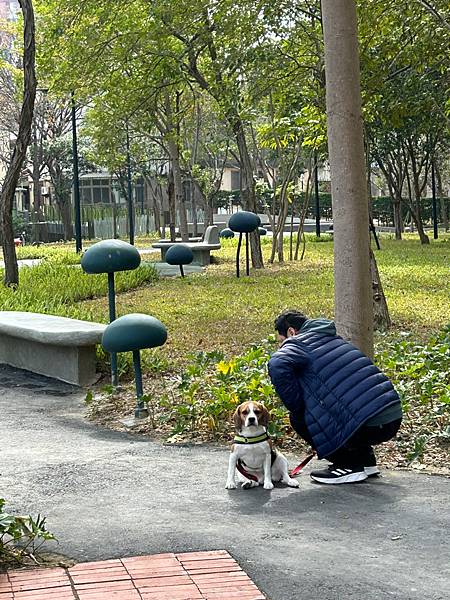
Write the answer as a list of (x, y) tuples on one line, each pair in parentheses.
[(21, 536), (421, 375), (420, 371), (211, 388)]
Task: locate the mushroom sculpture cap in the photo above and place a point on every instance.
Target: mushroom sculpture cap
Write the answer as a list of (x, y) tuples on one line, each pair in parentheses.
[(109, 256), (134, 332), (243, 222), (179, 254)]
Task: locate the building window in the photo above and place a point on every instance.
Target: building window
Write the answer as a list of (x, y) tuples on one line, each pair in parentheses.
[(235, 180)]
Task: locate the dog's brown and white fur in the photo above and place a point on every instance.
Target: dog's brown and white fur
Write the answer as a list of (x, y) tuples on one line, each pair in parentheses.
[(251, 420)]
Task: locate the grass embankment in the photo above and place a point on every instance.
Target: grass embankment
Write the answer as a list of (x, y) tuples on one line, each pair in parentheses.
[(58, 285)]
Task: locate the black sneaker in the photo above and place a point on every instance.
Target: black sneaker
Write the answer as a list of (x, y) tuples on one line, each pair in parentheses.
[(370, 465), (335, 475)]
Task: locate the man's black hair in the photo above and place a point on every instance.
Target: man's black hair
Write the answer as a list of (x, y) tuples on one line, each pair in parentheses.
[(289, 318)]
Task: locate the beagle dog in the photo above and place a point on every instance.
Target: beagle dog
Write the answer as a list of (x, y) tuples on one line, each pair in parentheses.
[(252, 454)]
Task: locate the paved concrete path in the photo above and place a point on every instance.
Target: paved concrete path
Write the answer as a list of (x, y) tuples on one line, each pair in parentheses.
[(110, 495), (26, 262)]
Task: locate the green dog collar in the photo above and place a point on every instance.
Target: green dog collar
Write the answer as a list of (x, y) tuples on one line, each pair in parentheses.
[(240, 439)]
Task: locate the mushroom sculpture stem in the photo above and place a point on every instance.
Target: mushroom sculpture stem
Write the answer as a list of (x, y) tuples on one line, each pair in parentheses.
[(238, 253), (112, 317), (140, 411)]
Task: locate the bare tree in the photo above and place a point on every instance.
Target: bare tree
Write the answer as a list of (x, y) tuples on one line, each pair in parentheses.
[(353, 289), (20, 145)]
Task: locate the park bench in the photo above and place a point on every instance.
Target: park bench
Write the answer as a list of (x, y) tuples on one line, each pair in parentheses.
[(200, 250), (57, 347)]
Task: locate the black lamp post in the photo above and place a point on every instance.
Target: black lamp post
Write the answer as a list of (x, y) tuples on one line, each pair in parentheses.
[(316, 189), (434, 205), (76, 179), (130, 191)]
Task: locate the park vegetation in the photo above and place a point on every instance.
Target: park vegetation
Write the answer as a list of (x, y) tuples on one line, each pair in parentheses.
[(221, 332), (177, 96)]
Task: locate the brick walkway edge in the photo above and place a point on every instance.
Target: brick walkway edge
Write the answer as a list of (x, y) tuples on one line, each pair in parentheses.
[(191, 576)]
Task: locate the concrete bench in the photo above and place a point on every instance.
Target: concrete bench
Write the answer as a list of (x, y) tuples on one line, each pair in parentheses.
[(200, 250), (53, 346)]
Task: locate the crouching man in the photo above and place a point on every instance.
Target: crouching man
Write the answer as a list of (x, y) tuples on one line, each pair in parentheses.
[(339, 401)]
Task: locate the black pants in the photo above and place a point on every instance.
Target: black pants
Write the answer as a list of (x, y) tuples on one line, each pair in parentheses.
[(357, 451)]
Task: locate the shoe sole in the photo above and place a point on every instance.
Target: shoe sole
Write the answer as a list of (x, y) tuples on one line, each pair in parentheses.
[(350, 478), (371, 471)]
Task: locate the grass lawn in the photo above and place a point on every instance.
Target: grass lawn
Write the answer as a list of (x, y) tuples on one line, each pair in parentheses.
[(216, 310)]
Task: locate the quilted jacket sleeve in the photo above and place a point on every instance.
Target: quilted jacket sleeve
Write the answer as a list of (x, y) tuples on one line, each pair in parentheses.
[(285, 366)]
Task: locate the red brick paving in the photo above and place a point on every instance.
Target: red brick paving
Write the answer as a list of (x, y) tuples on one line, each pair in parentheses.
[(211, 575)]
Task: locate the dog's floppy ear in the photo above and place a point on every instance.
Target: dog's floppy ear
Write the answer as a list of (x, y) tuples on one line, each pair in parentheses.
[(237, 419), (265, 416)]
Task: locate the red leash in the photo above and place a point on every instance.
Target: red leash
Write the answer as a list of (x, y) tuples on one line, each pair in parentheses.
[(303, 464), (242, 471)]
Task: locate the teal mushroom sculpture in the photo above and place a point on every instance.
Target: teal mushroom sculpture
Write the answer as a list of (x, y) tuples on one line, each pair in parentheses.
[(109, 256), (226, 233), (243, 222), (180, 255), (133, 333)]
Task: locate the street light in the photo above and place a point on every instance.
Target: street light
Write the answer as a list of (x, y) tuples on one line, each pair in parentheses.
[(316, 189), (76, 179), (130, 191), (434, 204)]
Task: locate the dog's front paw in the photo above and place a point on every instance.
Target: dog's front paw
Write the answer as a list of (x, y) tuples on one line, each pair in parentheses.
[(231, 485), (293, 482), (268, 485), (249, 484)]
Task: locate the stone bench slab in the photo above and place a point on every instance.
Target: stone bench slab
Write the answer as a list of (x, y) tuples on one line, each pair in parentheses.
[(54, 346)]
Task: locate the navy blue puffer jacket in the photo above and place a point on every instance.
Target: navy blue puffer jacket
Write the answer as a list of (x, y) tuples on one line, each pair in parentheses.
[(328, 384)]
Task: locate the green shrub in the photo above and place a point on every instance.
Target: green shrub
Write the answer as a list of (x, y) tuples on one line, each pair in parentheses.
[(21, 537), (211, 388), (421, 375), (420, 371)]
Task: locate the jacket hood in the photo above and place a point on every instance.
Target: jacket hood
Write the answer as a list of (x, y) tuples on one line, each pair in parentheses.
[(324, 326)]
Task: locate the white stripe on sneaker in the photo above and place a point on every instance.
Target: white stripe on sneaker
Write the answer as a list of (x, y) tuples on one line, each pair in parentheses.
[(352, 477), (371, 471)]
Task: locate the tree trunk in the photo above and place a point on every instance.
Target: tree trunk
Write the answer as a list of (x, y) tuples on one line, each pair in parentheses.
[(415, 191), (248, 198), (180, 204), (398, 223), (65, 209), (36, 176), (416, 213), (209, 212), (440, 194), (194, 209), (417, 218), (381, 318), (20, 147), (154, 205), (353, 289), (172, 206)]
